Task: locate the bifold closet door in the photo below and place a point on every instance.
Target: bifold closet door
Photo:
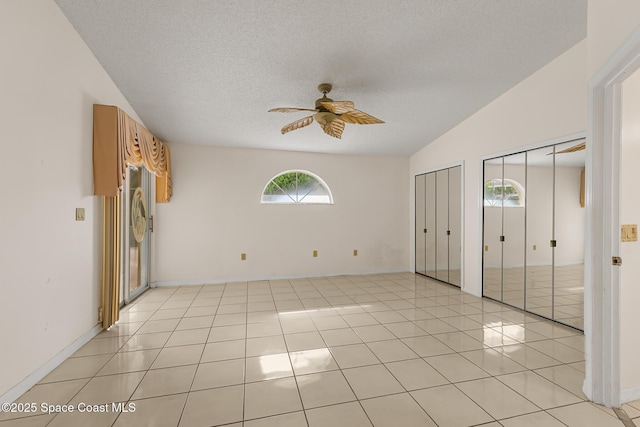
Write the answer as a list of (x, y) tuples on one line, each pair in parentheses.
[(455, 225), (430, 221), (513, 229), (492, 229), (442, 225), (540, 231), (421, 227), (569, 224)]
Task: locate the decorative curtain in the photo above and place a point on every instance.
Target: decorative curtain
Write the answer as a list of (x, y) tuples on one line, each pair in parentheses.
[(120, 141), (111, 238)]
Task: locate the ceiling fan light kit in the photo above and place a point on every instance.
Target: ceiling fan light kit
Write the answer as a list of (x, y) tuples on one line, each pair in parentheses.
[(329, 114)]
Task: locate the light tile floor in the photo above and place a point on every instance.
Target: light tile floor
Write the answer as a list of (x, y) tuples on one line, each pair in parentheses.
[(384, 350), (555, 293)]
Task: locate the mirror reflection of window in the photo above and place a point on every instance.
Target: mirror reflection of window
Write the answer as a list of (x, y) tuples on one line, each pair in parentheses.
[(507, 191)]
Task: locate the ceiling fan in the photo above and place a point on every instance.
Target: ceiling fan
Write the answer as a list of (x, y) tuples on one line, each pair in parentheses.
[(331, 115)]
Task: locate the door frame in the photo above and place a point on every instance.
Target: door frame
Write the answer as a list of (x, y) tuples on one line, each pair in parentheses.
[(602, 281)]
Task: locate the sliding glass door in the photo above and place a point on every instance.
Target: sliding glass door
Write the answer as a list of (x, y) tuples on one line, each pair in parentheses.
[(136, 240)]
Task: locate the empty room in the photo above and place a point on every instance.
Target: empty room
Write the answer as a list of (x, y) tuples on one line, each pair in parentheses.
[(295, 213)]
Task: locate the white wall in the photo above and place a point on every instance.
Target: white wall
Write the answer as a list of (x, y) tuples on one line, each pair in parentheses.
[(549, 104), (49, 263), (630, 214), (215, 215), (609, 24)]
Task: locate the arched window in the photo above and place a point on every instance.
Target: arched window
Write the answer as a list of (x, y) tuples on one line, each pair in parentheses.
[(296, 187), (507, 191)]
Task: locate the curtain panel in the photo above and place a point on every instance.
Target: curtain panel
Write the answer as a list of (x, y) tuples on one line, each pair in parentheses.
[(120, 141)]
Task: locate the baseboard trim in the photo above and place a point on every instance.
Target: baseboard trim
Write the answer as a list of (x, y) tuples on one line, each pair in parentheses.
[(24, 385), (219, 280), (629, 394)]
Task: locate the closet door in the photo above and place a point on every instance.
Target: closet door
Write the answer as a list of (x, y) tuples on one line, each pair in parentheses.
[(442, 225), (455, 225), (513, 229), (540, 231), (421, 227), (430, 222), (569, 219), (492, 229)]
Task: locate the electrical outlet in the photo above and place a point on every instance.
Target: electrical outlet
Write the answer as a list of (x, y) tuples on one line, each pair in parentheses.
[(355, 252), (486, 248), (315, 254), (79, 214), (535, 247), (243, 257)]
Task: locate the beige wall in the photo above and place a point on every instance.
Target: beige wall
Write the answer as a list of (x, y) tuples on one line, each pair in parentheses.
[(215, 215), (49, 263), (548, 105), (609, 24)]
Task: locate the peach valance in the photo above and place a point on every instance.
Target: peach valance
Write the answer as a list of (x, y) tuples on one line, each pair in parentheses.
[(120, 141)]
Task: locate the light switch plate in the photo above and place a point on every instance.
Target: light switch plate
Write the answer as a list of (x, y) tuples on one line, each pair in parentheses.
[(79, 214)]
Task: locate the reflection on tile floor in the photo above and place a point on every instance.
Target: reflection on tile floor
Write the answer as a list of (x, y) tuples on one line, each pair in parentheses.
[(564, 301), (384, 350)]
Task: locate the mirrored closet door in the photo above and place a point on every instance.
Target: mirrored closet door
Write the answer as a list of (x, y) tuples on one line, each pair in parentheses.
[(533, 231), (438, 225)]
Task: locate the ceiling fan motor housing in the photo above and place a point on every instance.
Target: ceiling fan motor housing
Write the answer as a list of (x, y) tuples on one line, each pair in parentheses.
[(320, 100), (324, 117)]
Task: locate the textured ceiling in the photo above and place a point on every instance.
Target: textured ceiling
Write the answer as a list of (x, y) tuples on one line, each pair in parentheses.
[(206, 72)]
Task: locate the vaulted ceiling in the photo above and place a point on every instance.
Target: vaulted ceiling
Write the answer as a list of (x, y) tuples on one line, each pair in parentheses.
[(206, 71)]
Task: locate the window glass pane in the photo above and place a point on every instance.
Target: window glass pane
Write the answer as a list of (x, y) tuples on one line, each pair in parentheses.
[(296, 187)]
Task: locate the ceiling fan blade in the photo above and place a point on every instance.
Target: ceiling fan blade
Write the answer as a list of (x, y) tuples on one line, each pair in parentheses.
[(577, 147), (297, 124), (288, 110), (359, 118), (338, 107), (334, 128)]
